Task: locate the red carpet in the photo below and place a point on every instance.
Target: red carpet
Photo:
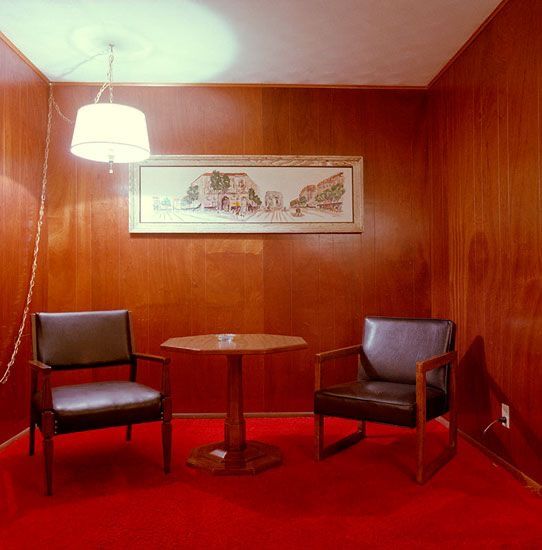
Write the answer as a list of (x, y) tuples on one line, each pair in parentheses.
[(112, 494)]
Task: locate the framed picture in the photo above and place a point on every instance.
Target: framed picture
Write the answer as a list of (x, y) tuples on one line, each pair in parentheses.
[(246, 194)]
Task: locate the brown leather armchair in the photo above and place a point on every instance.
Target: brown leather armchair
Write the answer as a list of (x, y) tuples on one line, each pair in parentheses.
[(406, 377), (82, 340)]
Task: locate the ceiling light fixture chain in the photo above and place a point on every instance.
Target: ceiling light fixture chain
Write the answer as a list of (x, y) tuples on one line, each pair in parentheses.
[(110, 72), (35, 254), (109, 82)]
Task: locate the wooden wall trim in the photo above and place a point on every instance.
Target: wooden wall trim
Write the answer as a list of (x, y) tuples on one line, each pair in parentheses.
[(23, 58), (11, 440), (193, 416), (208, 416), (472, 38), (518, 474), (529, 482), (382, 87)]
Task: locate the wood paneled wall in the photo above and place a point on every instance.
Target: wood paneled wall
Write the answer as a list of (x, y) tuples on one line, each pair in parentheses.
[(316, 286), (462, 243), (485, 174), (23, 113)]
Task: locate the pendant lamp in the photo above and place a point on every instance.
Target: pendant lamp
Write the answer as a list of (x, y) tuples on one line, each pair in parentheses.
[(110, 132)]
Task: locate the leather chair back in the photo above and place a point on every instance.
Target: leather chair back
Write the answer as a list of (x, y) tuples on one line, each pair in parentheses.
[(82, 339), (392, 346)]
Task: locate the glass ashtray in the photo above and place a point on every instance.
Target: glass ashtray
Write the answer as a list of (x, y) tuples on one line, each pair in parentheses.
[(225, 337)]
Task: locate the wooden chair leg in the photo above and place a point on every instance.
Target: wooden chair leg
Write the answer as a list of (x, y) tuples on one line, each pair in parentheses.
[(32, 416), (129, 432), (32, 435), (47, 426), (167, 411), (321, 451), (48, 452), (425, 472), (420, 448), (421, 420), (166, 445), (452, 435), (453, 410), (318, 436)]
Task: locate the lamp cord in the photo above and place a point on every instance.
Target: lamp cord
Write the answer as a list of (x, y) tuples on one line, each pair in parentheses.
[(52, 104), (60, 113), (35, 253), (501, 420), (75, 67)]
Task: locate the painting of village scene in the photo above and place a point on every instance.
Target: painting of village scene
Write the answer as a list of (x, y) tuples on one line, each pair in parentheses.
[(171, 196)]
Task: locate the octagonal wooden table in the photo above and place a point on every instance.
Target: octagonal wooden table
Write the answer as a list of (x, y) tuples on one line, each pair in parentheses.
[(235, 455)]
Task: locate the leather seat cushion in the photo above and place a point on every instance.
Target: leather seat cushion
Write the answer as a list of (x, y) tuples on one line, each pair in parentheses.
[(378, 401), (102, 404)]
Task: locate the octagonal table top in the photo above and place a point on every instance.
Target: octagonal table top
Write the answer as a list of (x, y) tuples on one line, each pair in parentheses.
[(240, 344)]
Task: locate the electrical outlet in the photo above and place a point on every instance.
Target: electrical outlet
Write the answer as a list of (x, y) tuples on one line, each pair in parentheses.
[(505, 413)]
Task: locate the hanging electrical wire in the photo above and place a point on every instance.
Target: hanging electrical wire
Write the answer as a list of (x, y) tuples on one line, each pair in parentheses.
[(35, 254)]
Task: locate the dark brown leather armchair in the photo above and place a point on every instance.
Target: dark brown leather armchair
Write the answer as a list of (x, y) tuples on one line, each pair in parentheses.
[(82, 340), (406, 377)]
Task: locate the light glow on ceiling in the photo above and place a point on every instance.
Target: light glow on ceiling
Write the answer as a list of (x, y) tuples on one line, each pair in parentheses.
[(152, 39), (332, 42)]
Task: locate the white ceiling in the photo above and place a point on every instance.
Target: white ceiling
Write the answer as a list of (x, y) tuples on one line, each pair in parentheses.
[(334, 42)]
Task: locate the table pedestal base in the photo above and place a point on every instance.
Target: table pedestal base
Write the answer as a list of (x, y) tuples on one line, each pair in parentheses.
[(254, 458)]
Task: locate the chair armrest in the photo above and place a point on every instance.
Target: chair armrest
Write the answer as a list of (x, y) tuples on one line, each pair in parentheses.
[(422, 367), (328, 356), (165, 388), (435, 362), (336, 353), (46, 394), (38, 366), (149, 357)]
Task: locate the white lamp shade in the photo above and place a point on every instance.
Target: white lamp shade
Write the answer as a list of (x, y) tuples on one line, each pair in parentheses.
[(107, 132)]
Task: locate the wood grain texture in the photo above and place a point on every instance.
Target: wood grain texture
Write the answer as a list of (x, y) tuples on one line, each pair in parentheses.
[(23, 114), (234, 344), (486, 229), (318, 287)]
